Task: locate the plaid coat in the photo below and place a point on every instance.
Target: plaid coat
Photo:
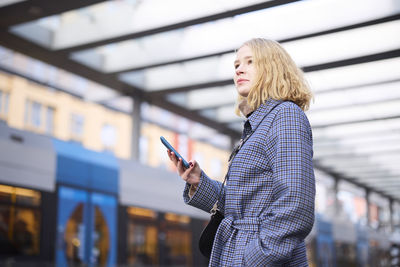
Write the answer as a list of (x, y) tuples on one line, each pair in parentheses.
[(268, 200)]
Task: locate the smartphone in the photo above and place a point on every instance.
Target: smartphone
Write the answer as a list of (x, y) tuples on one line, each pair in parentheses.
[(168, 145)]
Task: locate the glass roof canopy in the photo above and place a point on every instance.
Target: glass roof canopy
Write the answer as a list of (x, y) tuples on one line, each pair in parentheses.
[(305, 52), (349, 50)]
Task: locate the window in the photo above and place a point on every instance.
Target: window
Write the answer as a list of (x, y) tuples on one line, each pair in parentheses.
[(178, 239), (142, 213), (143, 149), (49, 120), (4, 99), (379, 211), (39, 117), (108, 137), (77, 124), (20, 220), (177, 219), (155, 240), (73, 236), (35, 114), (1, 102), (216, 168), (353, 202), (178, 247), (26, 113), (164, 161), (142, 238)]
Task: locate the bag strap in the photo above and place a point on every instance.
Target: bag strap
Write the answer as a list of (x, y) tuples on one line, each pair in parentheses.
[(232, 156)]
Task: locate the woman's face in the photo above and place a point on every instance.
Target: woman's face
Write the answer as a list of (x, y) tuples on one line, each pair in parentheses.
[(245, 71)]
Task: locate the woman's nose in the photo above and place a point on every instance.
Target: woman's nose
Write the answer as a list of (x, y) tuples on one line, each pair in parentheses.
[(239, 69)]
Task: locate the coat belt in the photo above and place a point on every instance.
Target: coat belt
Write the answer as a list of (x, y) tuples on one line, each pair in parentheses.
[(245, 224)]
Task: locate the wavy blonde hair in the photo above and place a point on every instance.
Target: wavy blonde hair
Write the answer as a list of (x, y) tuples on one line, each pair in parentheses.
[(277, 76)]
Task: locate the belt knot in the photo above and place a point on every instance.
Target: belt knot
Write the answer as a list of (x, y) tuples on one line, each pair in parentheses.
[(246, 223)]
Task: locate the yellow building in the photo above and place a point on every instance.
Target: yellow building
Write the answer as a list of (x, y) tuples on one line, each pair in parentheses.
[(42, 110), (29, 106)]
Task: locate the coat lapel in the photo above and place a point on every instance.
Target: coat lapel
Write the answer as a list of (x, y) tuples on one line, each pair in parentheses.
[(262, 111)]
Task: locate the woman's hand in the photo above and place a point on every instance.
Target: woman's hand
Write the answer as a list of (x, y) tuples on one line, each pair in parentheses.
[(191, 175)]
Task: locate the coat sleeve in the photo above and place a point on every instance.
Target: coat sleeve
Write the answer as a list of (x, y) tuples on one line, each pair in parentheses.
[(206, 194), (286, 223)]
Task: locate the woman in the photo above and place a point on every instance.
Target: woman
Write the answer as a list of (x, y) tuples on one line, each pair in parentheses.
[(268, 199)]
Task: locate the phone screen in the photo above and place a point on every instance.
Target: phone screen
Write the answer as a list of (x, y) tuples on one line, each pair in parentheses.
[(168, 145)]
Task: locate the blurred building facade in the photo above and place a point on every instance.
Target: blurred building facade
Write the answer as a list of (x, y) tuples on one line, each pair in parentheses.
[(29, 106)]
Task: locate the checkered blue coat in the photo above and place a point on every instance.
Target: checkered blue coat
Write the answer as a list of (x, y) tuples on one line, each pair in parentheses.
[(268, 200)]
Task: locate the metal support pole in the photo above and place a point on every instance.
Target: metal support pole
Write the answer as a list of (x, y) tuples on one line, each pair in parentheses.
[(367, 195), (391, 222), (136, 128), (336, 199)]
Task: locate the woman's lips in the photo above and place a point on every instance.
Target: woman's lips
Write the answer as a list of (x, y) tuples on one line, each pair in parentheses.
[(242, 81)]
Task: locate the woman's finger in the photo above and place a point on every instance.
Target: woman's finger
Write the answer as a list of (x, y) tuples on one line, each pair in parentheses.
[(187, 171), (169, 154), (172, 157), (180, 167)]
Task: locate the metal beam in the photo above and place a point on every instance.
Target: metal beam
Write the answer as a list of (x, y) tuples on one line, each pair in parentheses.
[(345, 88), (339, 176), (173, 62), (300, 37), (25, 47), (354, 61), (352, 155), (324, 66), (187, 88), (383, 178), (316, 93), (35, 9), (326, 125), (350, 105), (315, 110), (45, 84), (220, 127), (226, 14), (346, 28)]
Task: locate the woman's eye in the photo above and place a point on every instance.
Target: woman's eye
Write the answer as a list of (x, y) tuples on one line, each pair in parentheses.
[(236, 66), (250, 61)]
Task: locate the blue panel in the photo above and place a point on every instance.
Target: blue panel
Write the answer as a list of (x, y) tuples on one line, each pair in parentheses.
[(325, 245), (76, 151), (72, 171), (82, 167), (104, 178), (68, 200), (362, 245), (108, 206)]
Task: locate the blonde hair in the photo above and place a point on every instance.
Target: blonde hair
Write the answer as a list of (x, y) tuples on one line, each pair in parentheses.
[(277, 76)]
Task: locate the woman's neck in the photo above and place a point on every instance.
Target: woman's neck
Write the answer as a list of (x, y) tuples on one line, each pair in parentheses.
[(245, 108)]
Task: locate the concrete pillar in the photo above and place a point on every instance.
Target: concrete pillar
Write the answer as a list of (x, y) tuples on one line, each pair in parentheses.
[(367, 194), (136, 127), (391, 222), (335, 192)]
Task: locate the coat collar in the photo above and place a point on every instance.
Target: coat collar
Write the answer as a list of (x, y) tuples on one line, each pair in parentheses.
[(264, 109)]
